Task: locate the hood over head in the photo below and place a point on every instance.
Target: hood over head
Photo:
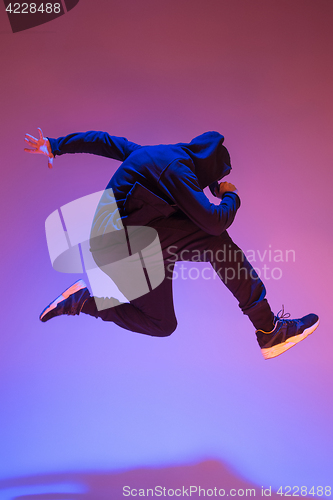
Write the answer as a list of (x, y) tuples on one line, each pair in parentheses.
[(210, 157)]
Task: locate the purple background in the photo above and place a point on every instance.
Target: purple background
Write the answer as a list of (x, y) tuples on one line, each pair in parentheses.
[(81, 395)]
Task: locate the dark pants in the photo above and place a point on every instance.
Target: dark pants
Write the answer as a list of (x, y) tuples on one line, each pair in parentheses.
[(153, 313)]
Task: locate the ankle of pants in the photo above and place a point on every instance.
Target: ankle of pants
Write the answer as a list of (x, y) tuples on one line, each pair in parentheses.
[(99, 307), (261, 316)]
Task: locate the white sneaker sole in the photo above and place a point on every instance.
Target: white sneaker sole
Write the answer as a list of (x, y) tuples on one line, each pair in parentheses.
[(78, 285), (276, 350)]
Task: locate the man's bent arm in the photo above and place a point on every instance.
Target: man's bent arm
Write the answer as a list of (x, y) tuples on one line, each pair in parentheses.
[(181, 184), (98, 143)]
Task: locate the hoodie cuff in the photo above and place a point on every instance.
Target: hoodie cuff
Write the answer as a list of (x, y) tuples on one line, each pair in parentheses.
[(54, 146), (234, 196)]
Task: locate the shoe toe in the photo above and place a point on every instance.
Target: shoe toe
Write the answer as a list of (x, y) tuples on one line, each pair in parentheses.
[(310, 320)]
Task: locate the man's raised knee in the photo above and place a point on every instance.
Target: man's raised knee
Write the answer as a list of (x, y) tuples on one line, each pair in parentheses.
[(167, 329)]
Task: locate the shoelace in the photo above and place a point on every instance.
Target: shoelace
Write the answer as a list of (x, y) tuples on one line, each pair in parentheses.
[(291, 324), (283, 315)]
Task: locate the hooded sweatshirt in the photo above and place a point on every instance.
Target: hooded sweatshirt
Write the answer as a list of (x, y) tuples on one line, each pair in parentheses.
[(172, 175)]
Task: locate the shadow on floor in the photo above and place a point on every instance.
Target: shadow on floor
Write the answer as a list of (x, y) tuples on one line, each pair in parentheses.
[(212, 476)]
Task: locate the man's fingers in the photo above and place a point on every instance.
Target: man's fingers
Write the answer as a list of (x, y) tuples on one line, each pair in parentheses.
[(32, 144), (30, 137), (40, 133), (31, 150)]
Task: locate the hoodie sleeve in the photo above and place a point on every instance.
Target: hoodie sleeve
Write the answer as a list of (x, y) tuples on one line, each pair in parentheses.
[(98, 143), (181, 185)]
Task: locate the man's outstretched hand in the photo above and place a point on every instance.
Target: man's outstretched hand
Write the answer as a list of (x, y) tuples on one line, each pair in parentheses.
[(225, 187), (40, 146)]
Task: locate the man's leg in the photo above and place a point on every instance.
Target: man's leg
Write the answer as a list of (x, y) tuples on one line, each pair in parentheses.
[(152, 314), (181, 239), (233, 268), (275, 335)]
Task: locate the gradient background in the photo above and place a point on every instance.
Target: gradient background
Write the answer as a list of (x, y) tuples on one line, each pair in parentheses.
[(79, 395)]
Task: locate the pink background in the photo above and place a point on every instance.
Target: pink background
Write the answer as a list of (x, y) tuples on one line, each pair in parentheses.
[(79, 395)]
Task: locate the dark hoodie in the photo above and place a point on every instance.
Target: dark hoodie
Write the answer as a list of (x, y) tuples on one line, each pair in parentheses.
[(166, 177)]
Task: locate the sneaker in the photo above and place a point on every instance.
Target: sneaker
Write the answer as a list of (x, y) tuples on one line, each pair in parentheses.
[(285, 334), (69, 302)]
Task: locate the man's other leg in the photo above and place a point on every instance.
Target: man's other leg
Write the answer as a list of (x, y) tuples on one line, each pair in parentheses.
[(233, 268), (151, 314)]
